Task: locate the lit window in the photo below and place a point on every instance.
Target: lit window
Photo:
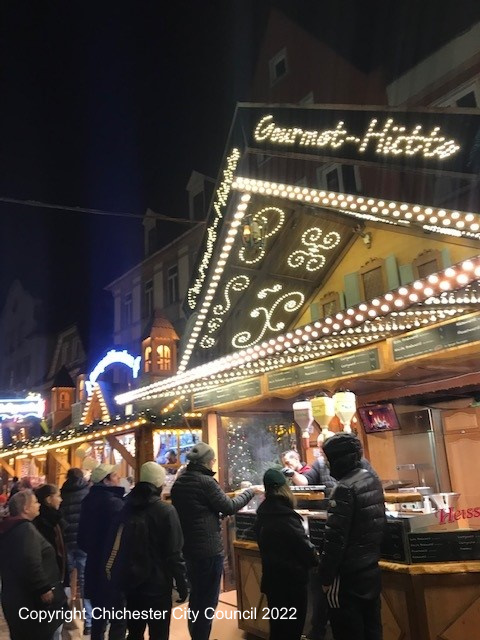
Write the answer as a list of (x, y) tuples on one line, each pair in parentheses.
[(278, 66), (164, 358), (147, 359), (63, 401)]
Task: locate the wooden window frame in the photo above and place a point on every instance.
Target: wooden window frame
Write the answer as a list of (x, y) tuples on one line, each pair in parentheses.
[(328, 298), (423, 258), (372, 265)]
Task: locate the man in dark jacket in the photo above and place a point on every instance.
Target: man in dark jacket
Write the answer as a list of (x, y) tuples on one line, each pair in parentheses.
[(149, 558), (102, 504), (29, 570), (199, 500), (349, 570), (73, 491)]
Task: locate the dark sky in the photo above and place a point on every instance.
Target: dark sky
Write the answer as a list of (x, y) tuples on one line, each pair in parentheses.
[(111, 104), (108, 105)]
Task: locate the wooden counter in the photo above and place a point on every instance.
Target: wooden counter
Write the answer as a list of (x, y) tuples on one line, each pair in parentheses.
[(434, 601)]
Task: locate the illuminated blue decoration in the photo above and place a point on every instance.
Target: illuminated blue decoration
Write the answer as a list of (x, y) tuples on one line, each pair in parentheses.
[(113, 357), (33, 406)]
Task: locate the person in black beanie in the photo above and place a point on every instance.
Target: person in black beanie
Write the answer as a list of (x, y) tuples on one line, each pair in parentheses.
[(349, 570), (287, 557)]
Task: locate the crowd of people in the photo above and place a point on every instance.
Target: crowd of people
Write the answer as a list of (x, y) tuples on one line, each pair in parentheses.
[(128, 553)]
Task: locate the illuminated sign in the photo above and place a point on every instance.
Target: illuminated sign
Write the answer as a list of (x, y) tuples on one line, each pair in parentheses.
[(33, 406), (387, 138), (113, 357)]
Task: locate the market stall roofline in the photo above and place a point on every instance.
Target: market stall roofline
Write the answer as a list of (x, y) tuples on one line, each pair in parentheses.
[(398, 300)]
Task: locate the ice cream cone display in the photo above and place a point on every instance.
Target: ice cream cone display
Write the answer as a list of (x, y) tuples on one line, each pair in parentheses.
[(345, 408)]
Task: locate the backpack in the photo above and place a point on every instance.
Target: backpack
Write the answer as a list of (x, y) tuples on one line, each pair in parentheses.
[(130, 563)]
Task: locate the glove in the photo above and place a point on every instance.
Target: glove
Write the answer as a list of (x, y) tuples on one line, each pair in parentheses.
[(287, 472)]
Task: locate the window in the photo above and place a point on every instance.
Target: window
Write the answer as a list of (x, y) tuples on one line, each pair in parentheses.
[(164, 358), (63, 400), (127, 310), (172, 284), (427, 262), (372, 279), (467, 95), (147, 359), (148, 298), (329, 304), (278, 66), (339, 178)]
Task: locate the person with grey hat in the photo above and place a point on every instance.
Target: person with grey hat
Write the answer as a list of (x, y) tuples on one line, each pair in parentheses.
[(349, 570), (103, 502), (146, 556), (287, 557), (200, 501)]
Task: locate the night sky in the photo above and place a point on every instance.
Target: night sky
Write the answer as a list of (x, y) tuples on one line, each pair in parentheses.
[(111, 104)]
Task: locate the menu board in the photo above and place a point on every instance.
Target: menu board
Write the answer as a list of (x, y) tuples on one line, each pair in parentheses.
[(245, 526), (451, 546), (222, 394), (338, 367), (316, 528), (449, 335), (394, 543)]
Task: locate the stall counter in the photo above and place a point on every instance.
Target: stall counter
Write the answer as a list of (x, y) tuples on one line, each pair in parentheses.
[(432, 601)]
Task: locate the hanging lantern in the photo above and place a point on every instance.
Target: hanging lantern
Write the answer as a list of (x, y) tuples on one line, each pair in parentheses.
[(323, 411), (345, 408), (302, 413)]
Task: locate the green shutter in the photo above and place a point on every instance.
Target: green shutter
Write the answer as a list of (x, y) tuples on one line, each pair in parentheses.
[(406, 274), (352, 289), (314, 311), (391, 268), (446, 261)]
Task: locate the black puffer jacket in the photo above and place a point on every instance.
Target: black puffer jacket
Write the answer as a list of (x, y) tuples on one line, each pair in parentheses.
[(73, 492), (356, 517), (199, 501), (286, 551)]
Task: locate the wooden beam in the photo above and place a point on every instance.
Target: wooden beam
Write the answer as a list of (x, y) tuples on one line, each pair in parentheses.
[(126, 455), (60, 461), (10, 470)]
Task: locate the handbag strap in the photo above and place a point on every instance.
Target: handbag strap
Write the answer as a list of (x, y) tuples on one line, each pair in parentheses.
[(113, 553)]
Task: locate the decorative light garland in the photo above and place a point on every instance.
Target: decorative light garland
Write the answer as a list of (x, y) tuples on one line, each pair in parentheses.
[(261, 218), (312, 258), (218, 207), (450, 279), (434, 219)]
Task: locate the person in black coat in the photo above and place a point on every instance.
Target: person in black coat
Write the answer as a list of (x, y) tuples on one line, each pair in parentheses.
[(349, 570), (30, 573), (200, 501), (146, 556), (99, 509), (49, 523), (73, 491), (287, 557)]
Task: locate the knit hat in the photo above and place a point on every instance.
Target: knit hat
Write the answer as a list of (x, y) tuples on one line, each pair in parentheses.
[(102, 471), (153, 473), (273, 478), (201, 453)]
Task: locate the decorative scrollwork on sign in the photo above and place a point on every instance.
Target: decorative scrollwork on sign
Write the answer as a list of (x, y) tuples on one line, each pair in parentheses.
[(238, 283), (311, 257), (290, 302), (262, 218)]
